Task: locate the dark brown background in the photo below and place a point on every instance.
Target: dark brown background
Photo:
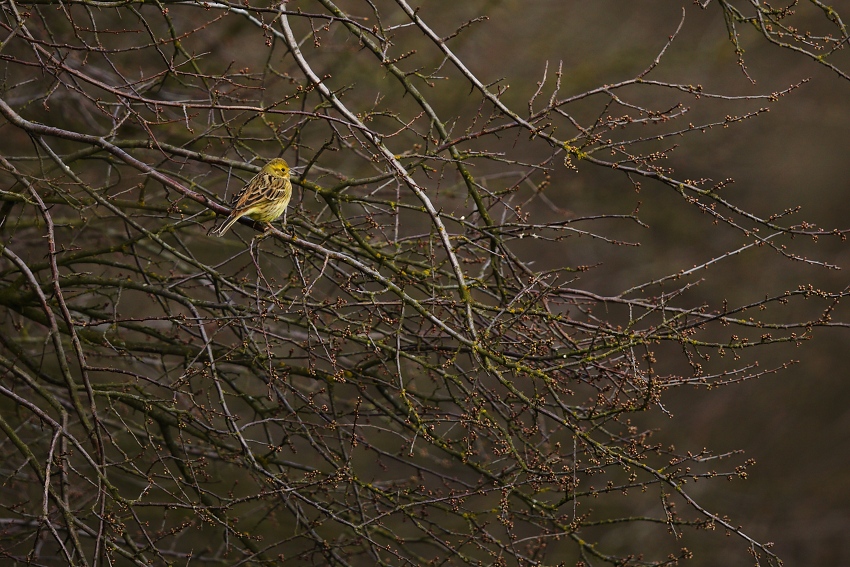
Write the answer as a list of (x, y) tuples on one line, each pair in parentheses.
[(795, 424)]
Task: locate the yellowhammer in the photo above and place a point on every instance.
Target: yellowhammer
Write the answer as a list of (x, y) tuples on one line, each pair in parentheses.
[(264, 198)]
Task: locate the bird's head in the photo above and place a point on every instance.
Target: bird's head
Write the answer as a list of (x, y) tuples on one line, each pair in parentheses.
[(277, 166)]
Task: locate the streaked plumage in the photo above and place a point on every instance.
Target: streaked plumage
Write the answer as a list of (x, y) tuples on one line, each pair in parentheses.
[(264, 198)]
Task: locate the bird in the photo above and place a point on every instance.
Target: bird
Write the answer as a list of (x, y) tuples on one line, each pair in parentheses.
[(264, 198)]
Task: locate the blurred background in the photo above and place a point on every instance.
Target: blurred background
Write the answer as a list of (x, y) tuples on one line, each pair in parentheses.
[(796, 423)]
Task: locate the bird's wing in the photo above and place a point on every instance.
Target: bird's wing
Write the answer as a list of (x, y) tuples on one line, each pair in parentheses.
[(263, 187)]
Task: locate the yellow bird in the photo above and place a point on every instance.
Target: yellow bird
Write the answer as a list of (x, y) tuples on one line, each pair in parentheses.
[(264, 198)]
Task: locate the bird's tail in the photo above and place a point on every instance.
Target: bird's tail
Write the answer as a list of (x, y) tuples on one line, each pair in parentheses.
[(234, 216)]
